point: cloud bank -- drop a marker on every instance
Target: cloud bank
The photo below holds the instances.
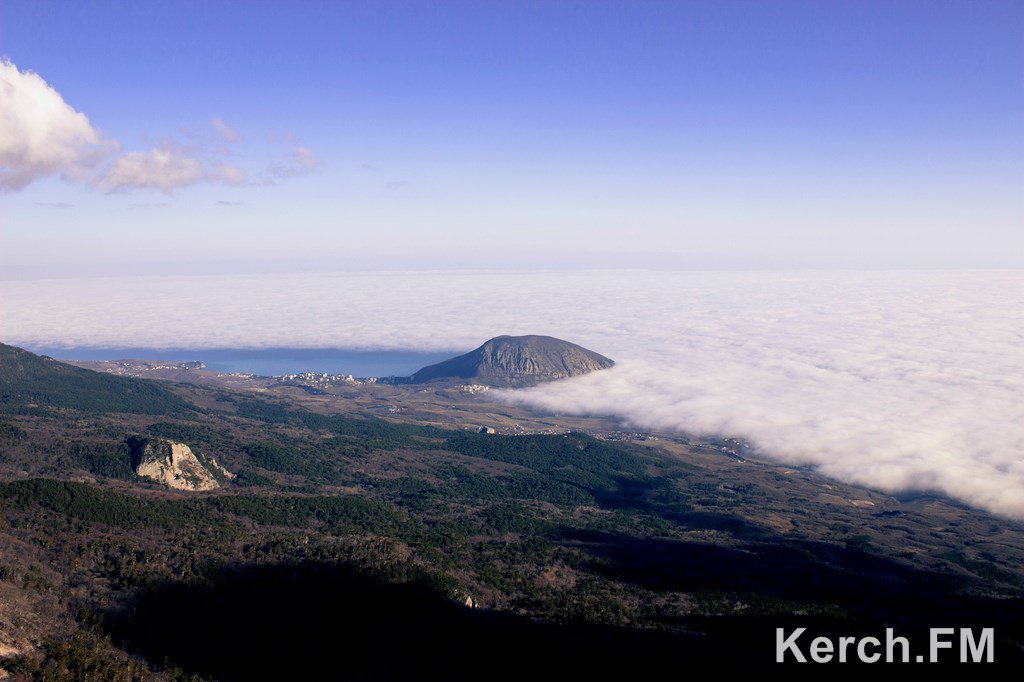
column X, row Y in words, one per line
column 900, row 381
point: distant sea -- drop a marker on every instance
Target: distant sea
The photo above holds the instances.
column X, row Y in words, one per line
column 268, row 361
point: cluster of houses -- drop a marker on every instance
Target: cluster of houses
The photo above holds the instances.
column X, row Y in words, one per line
column 322, row 380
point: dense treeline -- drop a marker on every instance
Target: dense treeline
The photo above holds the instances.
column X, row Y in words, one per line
column 85, row 503
column 458, row 483
column 331, row 514
column 92, row 505
column 11, row 433
column 111, row 460
column 27, row 379
column 571, row 457
column 197, row 436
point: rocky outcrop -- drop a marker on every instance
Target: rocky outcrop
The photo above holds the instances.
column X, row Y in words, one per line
column 513, row 361
column 221, row 470
column 175, row 465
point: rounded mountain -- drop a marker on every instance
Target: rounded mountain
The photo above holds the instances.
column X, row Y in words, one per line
column 514, row 361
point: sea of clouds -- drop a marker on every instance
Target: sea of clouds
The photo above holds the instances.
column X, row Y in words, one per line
column 897, row 380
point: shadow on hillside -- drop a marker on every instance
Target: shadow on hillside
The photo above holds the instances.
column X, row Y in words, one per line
column 309, row 620
column 317, row 620
column 865, row 587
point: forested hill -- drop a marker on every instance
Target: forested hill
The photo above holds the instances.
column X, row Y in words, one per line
column 27, row 379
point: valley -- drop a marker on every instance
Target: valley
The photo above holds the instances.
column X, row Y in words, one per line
column 623, row 549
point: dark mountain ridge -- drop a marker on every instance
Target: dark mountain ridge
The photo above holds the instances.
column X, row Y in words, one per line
column 513, row 361
column 30, row 379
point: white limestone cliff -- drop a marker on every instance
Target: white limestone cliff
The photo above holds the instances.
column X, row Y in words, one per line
column 175, row 465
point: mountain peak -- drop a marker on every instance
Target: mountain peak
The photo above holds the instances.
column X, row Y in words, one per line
column 516, row 361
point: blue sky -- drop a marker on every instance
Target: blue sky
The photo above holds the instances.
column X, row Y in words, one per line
column 556, row 134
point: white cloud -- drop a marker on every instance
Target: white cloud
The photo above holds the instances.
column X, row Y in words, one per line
column 40, row 134
column 224, row 131
column 301, row 161
column 171, row 166
column 165, row 168
column 901, row 381
column 228, row 174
